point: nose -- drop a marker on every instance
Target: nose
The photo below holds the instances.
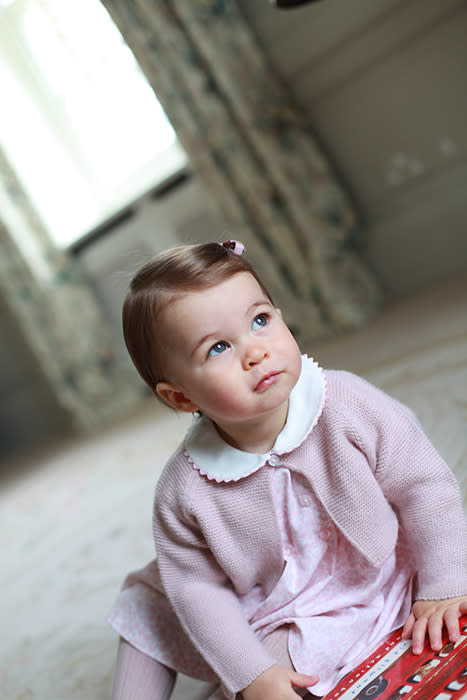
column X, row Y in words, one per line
column 254, row 353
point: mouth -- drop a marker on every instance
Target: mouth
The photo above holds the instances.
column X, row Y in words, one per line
column 267, row 380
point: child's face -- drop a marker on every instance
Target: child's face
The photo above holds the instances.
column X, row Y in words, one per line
column 229, row 353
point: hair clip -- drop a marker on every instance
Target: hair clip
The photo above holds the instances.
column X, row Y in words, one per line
column 235, row 246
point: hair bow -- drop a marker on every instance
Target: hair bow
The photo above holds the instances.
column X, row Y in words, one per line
column 235, row 246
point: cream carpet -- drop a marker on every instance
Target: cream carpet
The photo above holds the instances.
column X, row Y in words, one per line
column 76, row 517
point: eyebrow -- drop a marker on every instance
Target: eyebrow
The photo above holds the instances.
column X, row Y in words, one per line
column 215, row 333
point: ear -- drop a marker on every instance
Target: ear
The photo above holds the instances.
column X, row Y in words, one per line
column 172, row 395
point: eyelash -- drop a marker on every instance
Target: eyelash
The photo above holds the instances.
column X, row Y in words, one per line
column 212, row 352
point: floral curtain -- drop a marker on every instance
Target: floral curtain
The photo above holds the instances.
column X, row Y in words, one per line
column 253, row 148
column 58, row 314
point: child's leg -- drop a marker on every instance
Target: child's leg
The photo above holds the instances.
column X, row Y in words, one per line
column 277, row 644
column 139, row 677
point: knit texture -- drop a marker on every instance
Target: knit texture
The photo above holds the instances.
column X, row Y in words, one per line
column 373, row 469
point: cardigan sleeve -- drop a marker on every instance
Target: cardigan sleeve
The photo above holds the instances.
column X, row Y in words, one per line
column 200, row 592
column 419, row 485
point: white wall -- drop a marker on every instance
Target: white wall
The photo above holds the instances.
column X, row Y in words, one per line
column 383, row 83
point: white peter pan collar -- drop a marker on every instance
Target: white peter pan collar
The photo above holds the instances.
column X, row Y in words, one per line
column 217, row 460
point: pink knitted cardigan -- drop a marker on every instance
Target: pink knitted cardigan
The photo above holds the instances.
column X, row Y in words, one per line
column 374, row 470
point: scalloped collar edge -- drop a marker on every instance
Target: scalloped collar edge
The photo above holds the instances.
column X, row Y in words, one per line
column 215, row 459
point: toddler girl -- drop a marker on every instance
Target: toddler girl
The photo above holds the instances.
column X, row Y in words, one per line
column 303, row 518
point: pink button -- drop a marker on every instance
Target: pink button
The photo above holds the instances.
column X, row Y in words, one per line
column 305, row 501
column 325, row 533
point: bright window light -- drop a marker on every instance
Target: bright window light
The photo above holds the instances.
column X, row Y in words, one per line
column 79, row 122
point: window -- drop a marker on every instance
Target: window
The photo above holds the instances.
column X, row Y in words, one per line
column 79, row 122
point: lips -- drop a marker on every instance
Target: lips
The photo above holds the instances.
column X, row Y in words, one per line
column 266, row 380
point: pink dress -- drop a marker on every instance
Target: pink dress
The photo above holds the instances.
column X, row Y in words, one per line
column 337, row 606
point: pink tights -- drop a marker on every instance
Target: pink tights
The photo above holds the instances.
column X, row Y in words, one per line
column 139, row 677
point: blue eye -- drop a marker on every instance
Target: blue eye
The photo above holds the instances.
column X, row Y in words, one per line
column 259, row 322
column 217, row 348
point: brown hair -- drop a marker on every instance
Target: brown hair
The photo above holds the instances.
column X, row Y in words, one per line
column 163, row 279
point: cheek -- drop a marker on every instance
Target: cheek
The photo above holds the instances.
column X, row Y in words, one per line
column 224, row 397
column 225, row 394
